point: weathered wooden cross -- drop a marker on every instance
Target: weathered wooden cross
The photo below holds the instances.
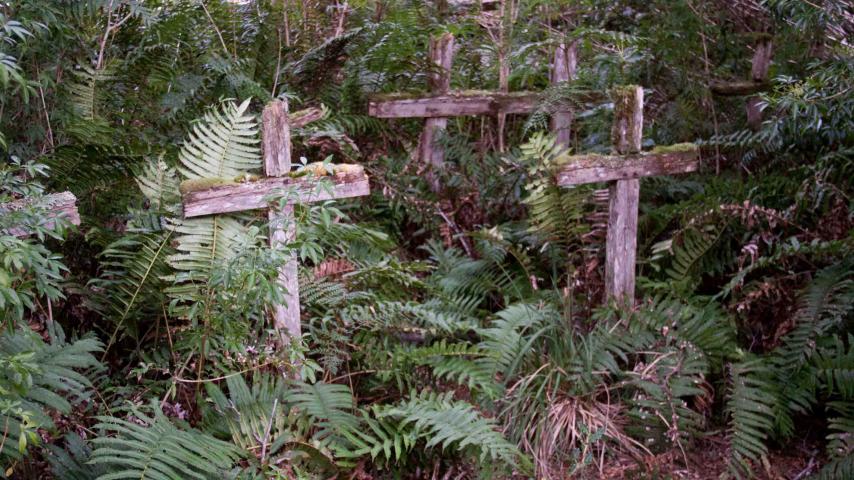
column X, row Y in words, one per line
column 56, row 205
column 276, row 140
column 623, row 171
column 443, row 103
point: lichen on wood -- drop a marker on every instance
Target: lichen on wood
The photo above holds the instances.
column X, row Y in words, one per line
column 675, row 148
column 197, row 184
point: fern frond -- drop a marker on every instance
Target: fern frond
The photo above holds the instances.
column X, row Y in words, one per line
column 153, row 447
column 71, row 462
column 442, row 421
column 159, row 183
column 328, row 405
column 84, row 90
column 750, row 406
column 222, row 145
column 39, row 377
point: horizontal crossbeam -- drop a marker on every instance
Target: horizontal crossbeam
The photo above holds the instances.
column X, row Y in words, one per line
column 57, row 205
column 738, row 88
column 591, row 168
column 453, row 104
column 236, row 197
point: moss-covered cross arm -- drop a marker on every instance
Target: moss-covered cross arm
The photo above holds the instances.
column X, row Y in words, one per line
column 215, row 195
column 441, row 103
column 451, row 104
column 56, row 205
column 591, row 168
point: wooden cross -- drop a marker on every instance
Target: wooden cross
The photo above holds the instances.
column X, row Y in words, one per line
column 623, row 171
column 57, row 205
column 443, row 103
column 276, row 140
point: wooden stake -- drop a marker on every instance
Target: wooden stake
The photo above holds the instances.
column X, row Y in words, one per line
column 758, row 74
column 442, row 56
column 621, row 244
column 276, row 138
column 564, row 66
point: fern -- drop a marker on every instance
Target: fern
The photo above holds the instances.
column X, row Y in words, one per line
column 442, row 421
column 667, row 381
column 159, row 183
column 84, row 90
column 821, row 306
column 750, row 406
column 250, row 414
column 71, row 462
column 329, row 406
column 134, row 266
column 38, row 378
column 153, row 447
column 222, row 144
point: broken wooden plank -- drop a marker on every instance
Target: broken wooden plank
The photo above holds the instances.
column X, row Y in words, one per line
column 304, row 117
column 590, row 168
column 234, row 197
column 56, row 205
column 452, row 104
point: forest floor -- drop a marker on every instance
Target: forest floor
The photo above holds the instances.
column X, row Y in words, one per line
column 708, row 461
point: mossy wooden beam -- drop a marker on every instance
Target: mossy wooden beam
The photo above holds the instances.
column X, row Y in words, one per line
column 591, row 168
column 738, row 88
column 236, row 197
column 452, row 104
column 57, row 205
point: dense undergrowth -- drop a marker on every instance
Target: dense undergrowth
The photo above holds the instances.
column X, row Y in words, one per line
column 457, row 334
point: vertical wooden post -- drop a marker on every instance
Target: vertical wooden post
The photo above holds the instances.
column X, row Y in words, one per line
column 621, row 244
column 564, row 66
column 439, row 81
column 758, row 73
column 276, row 138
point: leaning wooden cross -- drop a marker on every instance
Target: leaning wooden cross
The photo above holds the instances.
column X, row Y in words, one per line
column 623, row 171
column 56, row 205
column 443, row 103
column 276, row 137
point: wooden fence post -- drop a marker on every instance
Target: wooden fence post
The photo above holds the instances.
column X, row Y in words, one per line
column 276, row 138
column 429, row 153
column 762, row 54
column 621, row 244
column 564, row 66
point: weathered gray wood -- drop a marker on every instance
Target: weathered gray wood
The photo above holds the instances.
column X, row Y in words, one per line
column 627, row 129
column 759, row 73
column 238, row 197
column 286, row 317
column 57, row 205
column 276, row 141
column 304, row 117
column 621, row 242
column 735, row 89
column 564, row 66
column 581, row 169
column 452, row 104
column 439, row 81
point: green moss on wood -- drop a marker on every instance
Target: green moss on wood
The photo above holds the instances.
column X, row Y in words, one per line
column 197, row 184
column 675, row 148
column 388, row 97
